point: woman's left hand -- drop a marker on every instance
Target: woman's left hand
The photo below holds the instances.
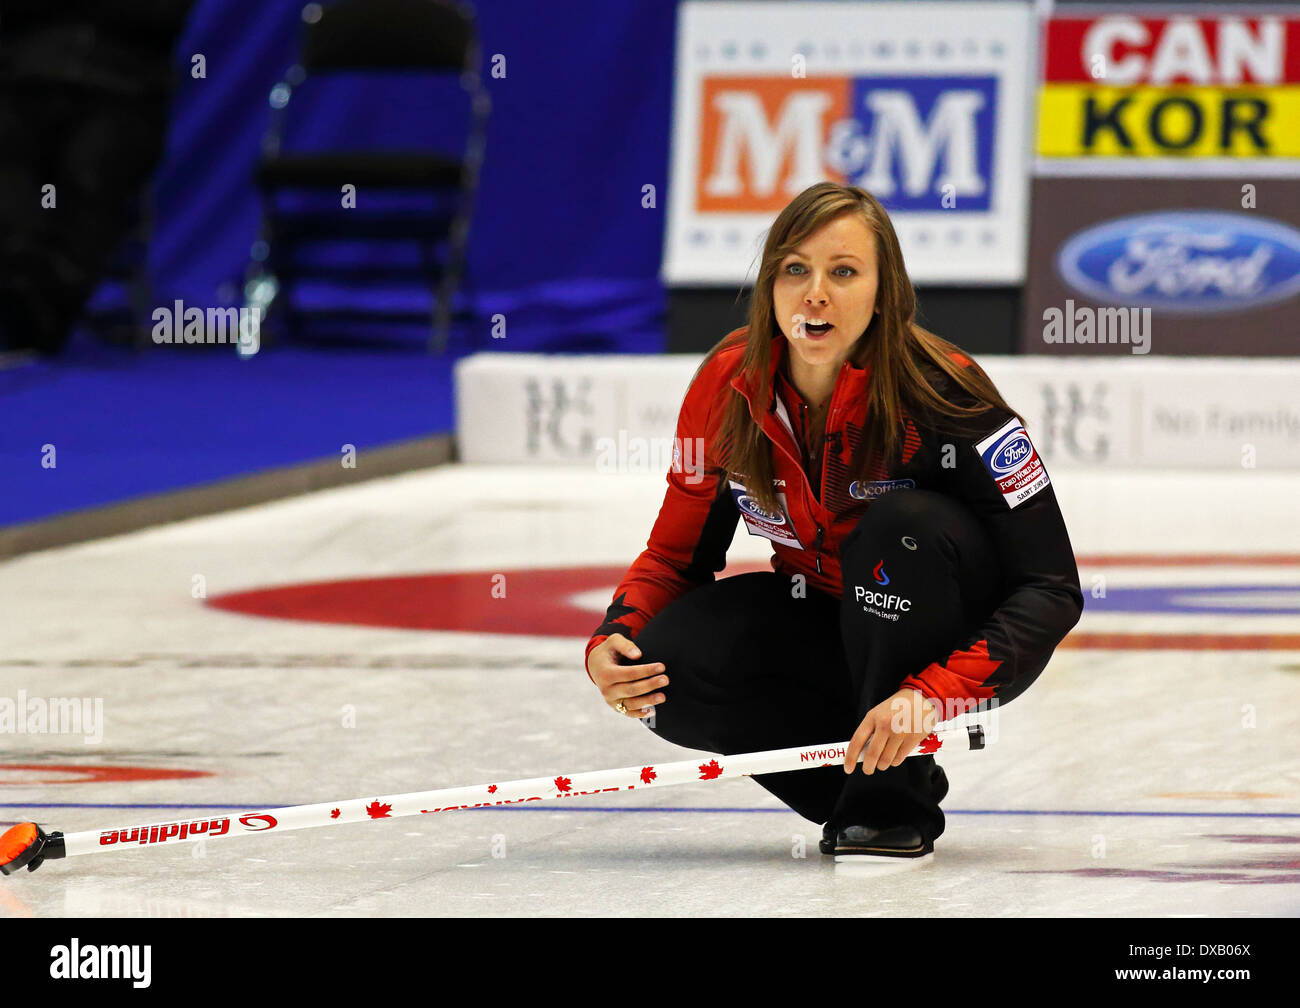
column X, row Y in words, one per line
column 890, row 731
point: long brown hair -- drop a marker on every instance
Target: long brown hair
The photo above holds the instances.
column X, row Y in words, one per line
column 895, row 348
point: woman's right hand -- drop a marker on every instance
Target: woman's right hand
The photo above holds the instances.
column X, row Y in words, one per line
column 632, row 685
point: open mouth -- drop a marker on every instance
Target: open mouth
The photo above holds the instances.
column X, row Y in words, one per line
column 817, row 330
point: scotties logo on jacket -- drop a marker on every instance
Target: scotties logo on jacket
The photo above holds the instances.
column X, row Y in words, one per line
column 871, row 489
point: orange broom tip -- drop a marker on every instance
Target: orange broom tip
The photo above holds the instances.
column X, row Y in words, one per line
column 28, row 844
column 16, row 840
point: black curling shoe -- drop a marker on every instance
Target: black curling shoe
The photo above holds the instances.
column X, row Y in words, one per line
column 893, row 841
column 896, row 841
column 908, row 840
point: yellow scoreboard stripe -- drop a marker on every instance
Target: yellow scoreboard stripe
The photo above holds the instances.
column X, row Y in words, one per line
column 1082, row 120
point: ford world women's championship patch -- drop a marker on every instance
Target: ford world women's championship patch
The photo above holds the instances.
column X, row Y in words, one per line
column 777, row 527
column 1013, row 462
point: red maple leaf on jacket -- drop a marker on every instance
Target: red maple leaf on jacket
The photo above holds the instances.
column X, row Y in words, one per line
column 334, row 814
column 377, row 811
column 710, row 770
column 492, row 789
column 563, row 783
column 929, row 744
column 648, row 774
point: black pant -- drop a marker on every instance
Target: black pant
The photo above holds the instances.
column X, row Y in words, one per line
column 756, row 663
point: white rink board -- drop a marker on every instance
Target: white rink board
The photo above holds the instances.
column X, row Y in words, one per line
column 1147, row 413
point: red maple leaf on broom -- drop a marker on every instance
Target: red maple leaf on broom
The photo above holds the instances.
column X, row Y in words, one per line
column 929, row 744
column 377, row 811
column 648, row 774
column 563, row 784
column 334, row 814
column 710, row 770
column 492, row 789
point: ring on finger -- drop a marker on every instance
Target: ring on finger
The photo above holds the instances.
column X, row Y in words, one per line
column 621, row 707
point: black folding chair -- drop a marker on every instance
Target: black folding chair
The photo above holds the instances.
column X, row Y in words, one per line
column 428, row 37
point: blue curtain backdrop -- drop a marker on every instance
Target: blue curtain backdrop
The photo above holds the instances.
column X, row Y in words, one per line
column 580, row 123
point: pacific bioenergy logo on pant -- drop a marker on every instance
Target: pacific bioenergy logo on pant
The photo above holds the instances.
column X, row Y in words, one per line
column 886, row 605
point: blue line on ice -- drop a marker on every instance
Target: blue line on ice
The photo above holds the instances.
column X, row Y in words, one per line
column 571, row 808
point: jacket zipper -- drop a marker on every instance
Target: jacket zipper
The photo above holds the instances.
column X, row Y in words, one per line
column 798, row 464
column 817, row 543
column 830, row 422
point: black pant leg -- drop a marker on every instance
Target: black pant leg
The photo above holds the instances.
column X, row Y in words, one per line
column 753, row 666
column 920, row 576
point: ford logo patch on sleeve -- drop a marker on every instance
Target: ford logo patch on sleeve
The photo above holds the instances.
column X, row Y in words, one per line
column 1013, row 462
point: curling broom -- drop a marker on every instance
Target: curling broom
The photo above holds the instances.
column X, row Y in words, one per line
column 27, row 844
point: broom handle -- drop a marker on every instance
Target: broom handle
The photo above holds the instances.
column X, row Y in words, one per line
column 559, row 787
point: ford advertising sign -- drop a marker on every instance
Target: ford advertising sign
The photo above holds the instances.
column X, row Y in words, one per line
column 1186, row 262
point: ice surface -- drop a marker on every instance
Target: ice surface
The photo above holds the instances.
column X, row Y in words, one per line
column 1138, row 782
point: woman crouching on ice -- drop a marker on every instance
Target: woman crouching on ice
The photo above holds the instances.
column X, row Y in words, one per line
column 921, row 566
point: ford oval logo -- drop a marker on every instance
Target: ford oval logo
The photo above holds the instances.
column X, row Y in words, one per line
column 1011, row 454
column 1183, row 262
column 751, row 507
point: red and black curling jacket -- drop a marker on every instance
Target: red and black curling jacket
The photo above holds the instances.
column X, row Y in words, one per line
column 996, row 474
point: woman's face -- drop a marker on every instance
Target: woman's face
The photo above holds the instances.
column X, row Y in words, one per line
column 830, row 278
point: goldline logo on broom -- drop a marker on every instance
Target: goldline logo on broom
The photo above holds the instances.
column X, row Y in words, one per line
column 24, row 715
column 102, row 962
column 253, row 822
column 163, row 832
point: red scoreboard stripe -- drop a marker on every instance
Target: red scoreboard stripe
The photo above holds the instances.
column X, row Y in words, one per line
column 1066, row 62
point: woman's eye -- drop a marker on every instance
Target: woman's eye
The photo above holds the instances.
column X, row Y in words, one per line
column 794, row 266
